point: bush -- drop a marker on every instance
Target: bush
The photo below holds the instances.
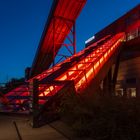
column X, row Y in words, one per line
column 101, row 117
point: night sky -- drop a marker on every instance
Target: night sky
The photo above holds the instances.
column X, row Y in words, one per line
column 22, row 23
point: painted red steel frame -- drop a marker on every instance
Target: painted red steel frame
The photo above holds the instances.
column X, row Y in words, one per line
column 87, row 63
column 85, row 70
column 81, row 72
column 61, row 19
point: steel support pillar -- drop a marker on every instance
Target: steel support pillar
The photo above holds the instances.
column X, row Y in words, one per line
column 110, row 80
column 54, row 47
column 107, row 84
column 35, row 104
column 115, row 75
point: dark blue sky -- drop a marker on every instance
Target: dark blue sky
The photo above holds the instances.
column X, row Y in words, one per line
column 22, row 23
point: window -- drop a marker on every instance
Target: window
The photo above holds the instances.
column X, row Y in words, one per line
column 119, row 92
column 131, row 92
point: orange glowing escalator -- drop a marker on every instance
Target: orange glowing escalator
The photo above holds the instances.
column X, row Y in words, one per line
column 83, row 68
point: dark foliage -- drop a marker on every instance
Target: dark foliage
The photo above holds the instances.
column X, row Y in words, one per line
column 102, row 118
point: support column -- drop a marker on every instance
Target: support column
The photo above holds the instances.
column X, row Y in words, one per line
column 107, row 84
column 35, row 105
column 54, row 41
column 110, row 82
column 115, row 75
column 74, row 37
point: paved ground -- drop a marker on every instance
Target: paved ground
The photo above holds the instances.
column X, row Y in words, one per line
column 8, row 130
column 54, row 131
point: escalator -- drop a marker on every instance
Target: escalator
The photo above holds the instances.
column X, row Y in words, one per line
column 82, row 71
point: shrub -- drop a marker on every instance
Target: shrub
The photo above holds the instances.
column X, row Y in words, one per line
column 101, row 117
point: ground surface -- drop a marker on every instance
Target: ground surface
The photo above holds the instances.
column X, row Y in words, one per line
column 8, row 130
column 53, row 131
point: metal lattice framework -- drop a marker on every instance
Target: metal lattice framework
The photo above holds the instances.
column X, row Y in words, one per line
column 76, row 73
column 81, row 68
column 69, row 44
column 60, row 23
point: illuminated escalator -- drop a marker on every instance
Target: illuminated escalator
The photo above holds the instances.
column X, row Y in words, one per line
column 82, row 69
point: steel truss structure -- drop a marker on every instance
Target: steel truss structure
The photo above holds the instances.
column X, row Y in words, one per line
column 73, row 75
column 60, row 23
column 41, row 94
column 69, row 44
